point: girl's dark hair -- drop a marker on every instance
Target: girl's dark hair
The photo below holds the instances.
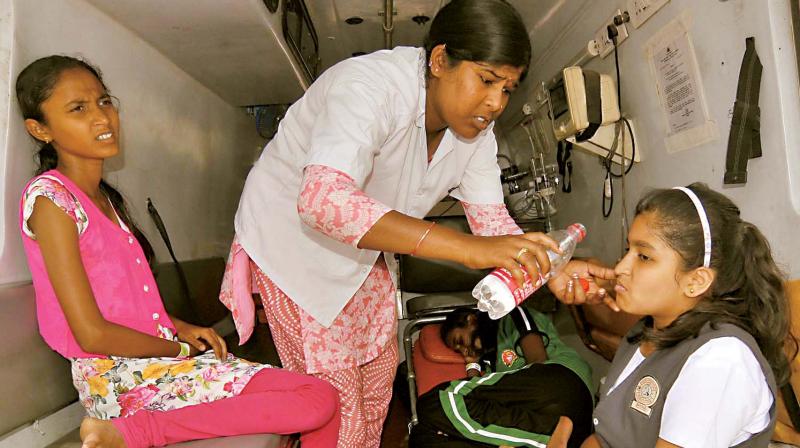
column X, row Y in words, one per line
column 481, row 31
column 486, row 330
column 34, row 86
column 748, row 290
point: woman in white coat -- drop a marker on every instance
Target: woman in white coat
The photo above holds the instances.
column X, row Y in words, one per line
column 356, row 164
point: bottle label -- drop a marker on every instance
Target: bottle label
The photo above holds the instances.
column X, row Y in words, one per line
column 519, row 293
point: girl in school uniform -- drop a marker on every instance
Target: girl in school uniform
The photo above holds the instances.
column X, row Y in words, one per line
column 98, row 304
column 702, row 368
column 366, row 153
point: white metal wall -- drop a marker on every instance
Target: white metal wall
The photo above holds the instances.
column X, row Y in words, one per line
column 181, row 144
column 771, row 197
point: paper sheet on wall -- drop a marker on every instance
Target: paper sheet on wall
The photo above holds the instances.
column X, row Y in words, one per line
column 672, row 59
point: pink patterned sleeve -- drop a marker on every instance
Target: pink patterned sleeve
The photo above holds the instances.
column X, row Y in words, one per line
column 52, row 188
column 236, row 291
column 331, row 202
column 490, row 219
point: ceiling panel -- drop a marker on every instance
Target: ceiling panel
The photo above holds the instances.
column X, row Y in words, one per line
column 235, row 47
column 338, row 40
column 229, row 46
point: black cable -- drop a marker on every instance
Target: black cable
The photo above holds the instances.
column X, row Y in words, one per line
column 610, row 201
column 612, row 31
column 616, row 64
column 608, row 159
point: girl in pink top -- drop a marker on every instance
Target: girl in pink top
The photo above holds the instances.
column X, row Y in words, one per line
column 142, row 375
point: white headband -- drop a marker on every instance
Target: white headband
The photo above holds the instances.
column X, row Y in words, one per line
column 703, row 221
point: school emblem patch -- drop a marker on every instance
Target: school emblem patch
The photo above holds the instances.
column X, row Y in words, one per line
column 508, row 356
column 645, row 395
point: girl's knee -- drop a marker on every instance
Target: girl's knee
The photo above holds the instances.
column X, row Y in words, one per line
column 327, row 398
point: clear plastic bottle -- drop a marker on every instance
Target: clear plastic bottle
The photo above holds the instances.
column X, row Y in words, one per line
column 498, row 293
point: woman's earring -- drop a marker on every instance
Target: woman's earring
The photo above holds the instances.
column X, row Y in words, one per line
column 691, row 290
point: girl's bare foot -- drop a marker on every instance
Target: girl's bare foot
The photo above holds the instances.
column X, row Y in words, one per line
column 96, row 433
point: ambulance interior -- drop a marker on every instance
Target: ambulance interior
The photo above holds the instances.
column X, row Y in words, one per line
column 203, row 85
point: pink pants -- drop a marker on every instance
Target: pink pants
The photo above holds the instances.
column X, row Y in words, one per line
column 364, row 390
column 275, row 401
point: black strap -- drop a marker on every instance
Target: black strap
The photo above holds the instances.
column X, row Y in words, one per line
column 151, row 209
column 744, row 140
column 563, row 155
column 792, row 407
column 594, row 106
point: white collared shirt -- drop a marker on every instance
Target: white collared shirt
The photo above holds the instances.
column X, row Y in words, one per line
column 365, row 117
column 720, row 398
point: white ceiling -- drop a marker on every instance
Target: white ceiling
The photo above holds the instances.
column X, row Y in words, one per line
column 235, row 47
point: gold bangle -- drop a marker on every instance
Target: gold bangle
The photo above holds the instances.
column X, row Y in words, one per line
column 422, row 238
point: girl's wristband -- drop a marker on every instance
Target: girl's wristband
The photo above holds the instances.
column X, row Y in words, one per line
column 473, row 366
column 185, row 350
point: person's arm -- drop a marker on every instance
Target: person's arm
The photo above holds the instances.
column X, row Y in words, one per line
column 532, row 346
column 198, row 337
column 490, row 219
column 567, row 286
column 530, row 341
column 591, row 442
column 399, row 233
column 331, row 202
column 58, row 241
column 494, row 219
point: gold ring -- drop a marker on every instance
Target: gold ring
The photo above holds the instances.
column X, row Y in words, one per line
column 521, row 252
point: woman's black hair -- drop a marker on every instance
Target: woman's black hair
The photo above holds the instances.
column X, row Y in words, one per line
column 34, row 86
column 489, row 31
column 748, row 289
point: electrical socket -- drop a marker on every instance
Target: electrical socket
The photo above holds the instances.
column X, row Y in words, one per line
column 641, row 10
column 602, row 43
column 527, row 109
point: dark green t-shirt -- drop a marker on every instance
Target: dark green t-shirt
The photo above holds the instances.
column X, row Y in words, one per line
column 517, row 323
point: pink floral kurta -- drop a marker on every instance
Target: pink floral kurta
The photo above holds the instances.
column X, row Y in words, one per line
column 331, row 203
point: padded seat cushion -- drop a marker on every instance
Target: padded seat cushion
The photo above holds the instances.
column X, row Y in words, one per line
column 434, row 362
column 433, row 347
column 73, row 440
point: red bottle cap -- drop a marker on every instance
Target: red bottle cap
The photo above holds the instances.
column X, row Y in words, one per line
column 579, row 229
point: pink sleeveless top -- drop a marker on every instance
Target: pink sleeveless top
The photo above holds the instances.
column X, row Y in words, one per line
column 120, row 278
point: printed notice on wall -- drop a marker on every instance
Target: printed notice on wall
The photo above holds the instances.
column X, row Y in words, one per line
column 672, row 59
column 677, row 84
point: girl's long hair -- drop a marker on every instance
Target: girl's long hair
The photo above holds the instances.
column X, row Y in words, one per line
column 748, row 290
column 34, row 86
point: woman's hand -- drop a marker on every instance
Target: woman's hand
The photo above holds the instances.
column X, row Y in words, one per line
column 584, row 281
column 516, row 253
column 195, row 337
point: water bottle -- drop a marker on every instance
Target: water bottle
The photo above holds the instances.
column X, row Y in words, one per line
column 498, row 293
